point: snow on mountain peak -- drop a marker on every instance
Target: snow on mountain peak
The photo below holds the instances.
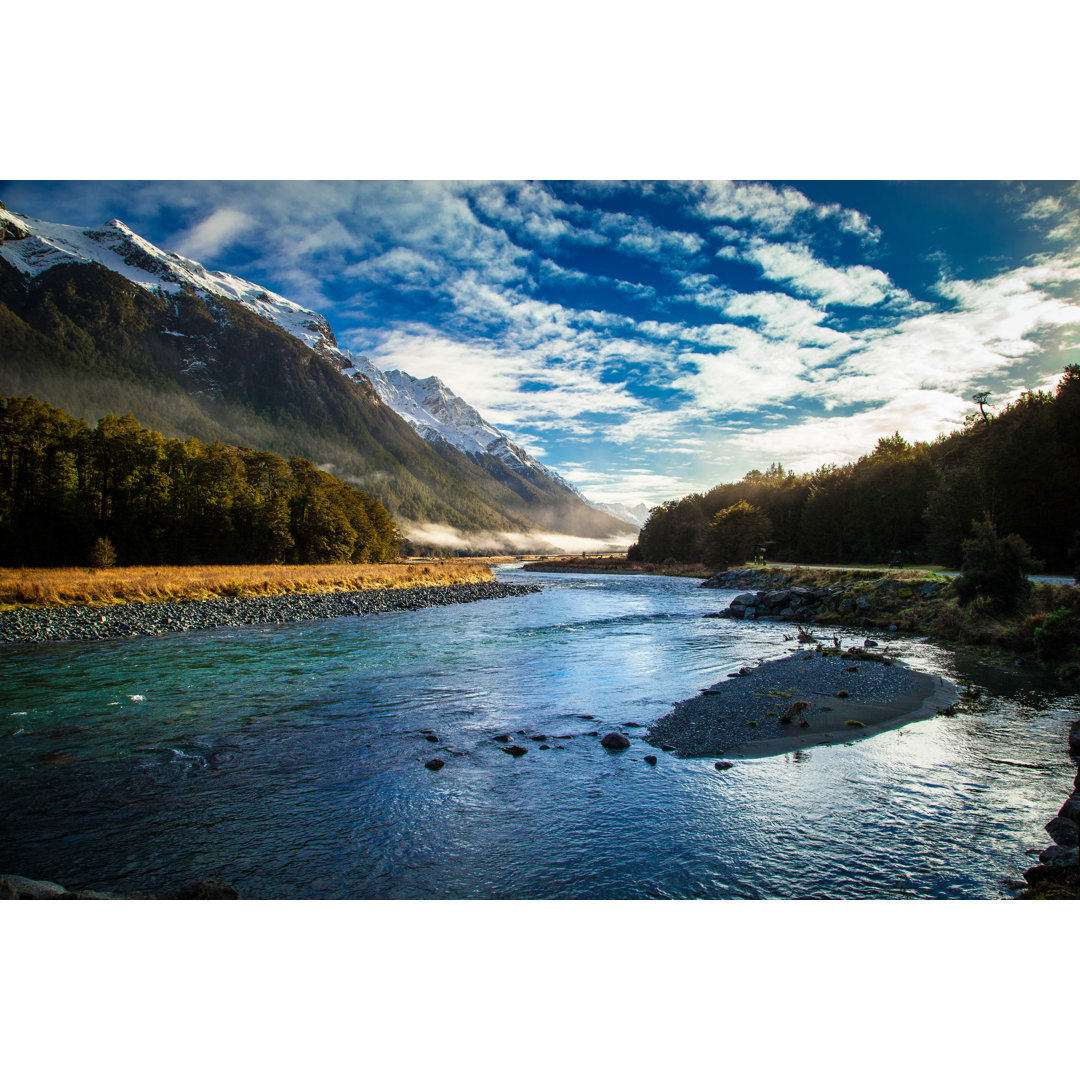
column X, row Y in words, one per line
column 113, row 245
column 428, row 405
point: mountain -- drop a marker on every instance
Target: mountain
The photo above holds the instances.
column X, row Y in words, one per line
column 632, row 515
column 100, row 320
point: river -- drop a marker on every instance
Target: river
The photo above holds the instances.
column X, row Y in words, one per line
column 289, row 761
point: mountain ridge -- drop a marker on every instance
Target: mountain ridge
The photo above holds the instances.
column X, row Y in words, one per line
column 203, row 320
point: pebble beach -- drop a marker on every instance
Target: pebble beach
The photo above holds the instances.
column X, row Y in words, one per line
column 96, row 623
column 807, row 699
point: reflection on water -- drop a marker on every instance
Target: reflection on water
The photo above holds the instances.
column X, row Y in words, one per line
column 289, row 761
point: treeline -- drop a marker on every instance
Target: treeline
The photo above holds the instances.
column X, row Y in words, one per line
column 65, row 486
column 909, row 503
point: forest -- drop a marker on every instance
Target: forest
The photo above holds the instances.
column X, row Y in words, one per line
column 72, row 495
column 902, row 503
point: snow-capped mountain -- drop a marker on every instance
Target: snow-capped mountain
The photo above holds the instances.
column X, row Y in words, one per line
column 43, row 245
column 437, row 413
column 430, row 407
column 632, row 515
column 205, row 360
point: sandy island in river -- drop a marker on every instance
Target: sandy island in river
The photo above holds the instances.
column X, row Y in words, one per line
column 807, row 699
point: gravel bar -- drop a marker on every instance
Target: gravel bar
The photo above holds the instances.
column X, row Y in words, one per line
column 826, row 699
column 141, row 620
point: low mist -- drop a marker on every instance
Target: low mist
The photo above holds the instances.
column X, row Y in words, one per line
column 534, row 543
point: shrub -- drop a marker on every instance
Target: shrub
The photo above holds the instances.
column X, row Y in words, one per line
column 1056, row 636
column 102, row 554
column 995, row 568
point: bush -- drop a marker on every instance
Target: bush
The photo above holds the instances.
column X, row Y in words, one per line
column 102, row 554
column 995, row 568
column 1057, row 634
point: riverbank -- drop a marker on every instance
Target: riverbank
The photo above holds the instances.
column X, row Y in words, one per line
column 1057, row 877
column 1045, row 630
column 89, row 623
column 811, row 698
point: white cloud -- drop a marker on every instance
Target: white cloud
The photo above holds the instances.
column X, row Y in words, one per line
column 213, row 234
column 855, row 286
column 624, row 485
column 781, row 316
column 775, row 210
column 836, row 440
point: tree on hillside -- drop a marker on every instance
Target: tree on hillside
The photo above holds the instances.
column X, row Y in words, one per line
column 735, row 534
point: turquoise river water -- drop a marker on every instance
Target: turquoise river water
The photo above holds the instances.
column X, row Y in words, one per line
column 289, row 762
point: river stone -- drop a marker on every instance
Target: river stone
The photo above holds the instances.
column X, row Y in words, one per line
column 502, row 738
column 1062, row 831
column 614, row 741
column 722, row 765
column 514, row 751
column 29, row 889
column 1056, row 855
column 1071, row 809
column 650, row 759
column 435, row 764
column 1034, row 874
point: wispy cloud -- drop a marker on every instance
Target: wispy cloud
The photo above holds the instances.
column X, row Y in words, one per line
column 213, row 234
column 796, row 265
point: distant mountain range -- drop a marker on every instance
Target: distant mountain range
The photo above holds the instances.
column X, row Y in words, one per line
column 99, row 320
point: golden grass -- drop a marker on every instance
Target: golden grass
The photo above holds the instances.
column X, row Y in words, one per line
column 77, row 585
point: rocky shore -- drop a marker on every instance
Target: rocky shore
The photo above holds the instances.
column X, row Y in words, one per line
column 810, row 698
column 872, row 600
column 16, row 887
column 1057, row 877
column 141, row 620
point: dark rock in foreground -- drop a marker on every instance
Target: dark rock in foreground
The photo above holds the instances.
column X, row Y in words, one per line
column 16, row 887
column 614, row 741
column 140, row 620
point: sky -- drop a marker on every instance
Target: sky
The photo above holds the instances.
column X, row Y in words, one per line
column 649, row 339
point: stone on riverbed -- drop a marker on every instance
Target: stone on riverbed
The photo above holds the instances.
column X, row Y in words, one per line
column 1056, row 855
column 614, row 741
column 1062, row 831
column 435, row 764
column 29, row 889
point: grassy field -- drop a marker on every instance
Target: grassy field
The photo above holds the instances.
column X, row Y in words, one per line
column 79, row 585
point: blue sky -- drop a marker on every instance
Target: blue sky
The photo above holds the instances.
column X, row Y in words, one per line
column 651, row 339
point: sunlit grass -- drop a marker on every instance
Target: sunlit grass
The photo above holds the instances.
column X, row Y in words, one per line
column 78, row 585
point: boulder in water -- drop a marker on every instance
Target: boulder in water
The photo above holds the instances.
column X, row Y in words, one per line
column 614, row 741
